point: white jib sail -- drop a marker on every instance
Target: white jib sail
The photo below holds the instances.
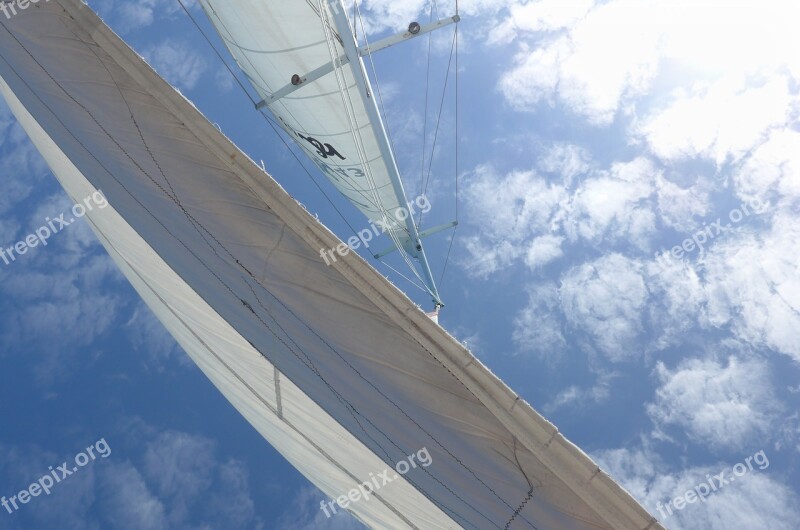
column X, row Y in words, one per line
column 274, row 41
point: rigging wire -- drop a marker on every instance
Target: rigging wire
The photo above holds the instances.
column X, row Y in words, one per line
column 395, row 239
column 425, row 115
column 347, row 100
column 434, row 12
column 439, row 118
column 453, row 50
column 455, row 229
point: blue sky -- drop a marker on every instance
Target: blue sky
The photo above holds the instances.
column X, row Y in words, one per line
column 592, row 135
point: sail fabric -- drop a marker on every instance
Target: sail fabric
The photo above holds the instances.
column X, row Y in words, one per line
column 327, row 117
column 335, row 367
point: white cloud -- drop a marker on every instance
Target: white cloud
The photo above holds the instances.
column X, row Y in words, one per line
column 680, row 206
column 677, row 303
column 130, row 500
column 132, row 15
column 181, row 64
column 538, row 327
column 510, row 210
column 67, row 507
column 304, row 514
column 616, row 52
column 720, row 121
column 522, row 215
column 606, row 299
column 615, row 206
column 20, row 164
column 149, row 337
column 533, row 16
column 592, row 67
column 178, row 466
column 543, row 250
column 512, row 206
column 178, row 482
column 753, row 286
column 58, row 314
column 9, row 230
column 576, row 396
column 772, row 171
column 486, row 257
column 566, row 161
column 755, row 500
column 722, row 405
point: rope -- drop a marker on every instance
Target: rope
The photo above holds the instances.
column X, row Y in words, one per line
column 425, row 115
column 453, row 237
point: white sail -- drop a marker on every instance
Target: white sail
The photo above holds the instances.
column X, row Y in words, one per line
column 328, row 117
column 332, row 364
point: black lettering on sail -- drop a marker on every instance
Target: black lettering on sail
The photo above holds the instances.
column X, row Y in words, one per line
column 324, row 150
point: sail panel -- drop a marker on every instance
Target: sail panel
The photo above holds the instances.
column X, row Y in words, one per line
column 342, row 336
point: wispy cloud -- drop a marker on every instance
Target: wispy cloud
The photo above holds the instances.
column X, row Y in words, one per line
column 724, row 404
column 606, row 300
column 759, row 500
column 178, row 62
column 304, row 514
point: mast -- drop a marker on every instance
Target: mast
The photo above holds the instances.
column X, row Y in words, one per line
column 345, row 31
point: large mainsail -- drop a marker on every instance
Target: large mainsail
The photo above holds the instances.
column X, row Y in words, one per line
column 335, row 367
column 296, row 57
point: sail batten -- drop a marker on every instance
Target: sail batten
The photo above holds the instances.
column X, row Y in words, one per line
column 230, row 264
